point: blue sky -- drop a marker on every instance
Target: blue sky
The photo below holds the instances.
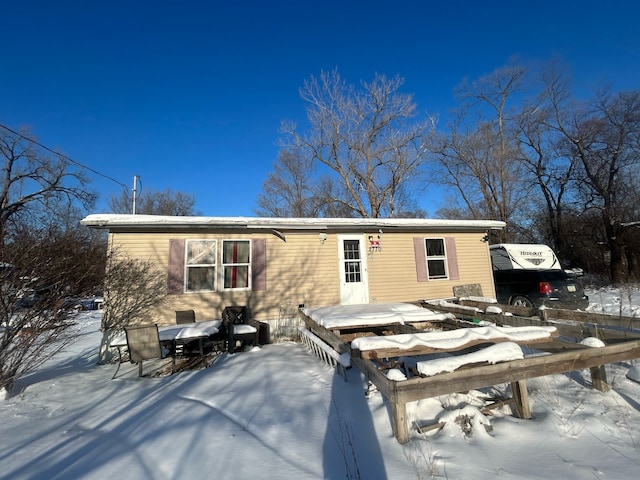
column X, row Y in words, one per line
column 189, row 95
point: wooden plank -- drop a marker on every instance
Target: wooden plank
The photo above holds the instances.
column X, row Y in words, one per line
column 571, row 357
column 329, row 337
column 430, row 426
column 425, row 349
column 486, row 375
column 557, row 346
column 605, row 331
column 615, row 321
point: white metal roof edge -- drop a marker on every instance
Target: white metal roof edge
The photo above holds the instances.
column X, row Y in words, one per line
column 109, row 221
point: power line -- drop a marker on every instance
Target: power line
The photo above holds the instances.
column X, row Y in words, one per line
column 24, row 137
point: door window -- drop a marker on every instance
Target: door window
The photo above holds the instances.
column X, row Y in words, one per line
column 352, row 261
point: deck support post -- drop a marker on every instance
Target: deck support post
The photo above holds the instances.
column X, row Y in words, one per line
column 521, row 399
column 599, row 378
column 399, row 416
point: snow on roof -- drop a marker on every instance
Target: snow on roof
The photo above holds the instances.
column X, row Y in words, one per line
column 452, row 339
column 340, row 316
column 145, row 221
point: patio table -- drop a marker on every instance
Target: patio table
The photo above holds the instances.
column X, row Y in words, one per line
column 188, row 332
column 174, row 334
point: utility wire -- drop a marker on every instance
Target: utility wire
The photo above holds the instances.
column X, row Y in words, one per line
column 24, row 137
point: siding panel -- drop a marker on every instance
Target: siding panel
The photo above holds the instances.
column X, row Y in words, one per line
column 304, row 270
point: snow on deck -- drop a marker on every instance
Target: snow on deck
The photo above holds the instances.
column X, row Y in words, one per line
column 500, row 352
column 452, row 339
column 341, row 316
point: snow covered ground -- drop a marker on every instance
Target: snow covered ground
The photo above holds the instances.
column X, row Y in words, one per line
column 278, row 412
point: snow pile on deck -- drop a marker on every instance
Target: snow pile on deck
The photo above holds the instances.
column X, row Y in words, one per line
column 453, row 339
column 500, row 352
column 337, row 316
column 450, row 304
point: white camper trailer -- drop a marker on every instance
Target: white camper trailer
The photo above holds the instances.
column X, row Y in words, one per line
column 508, row 256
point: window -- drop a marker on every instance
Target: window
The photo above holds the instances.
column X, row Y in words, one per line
column 352, row 261
column 201, row 265
column 236, row 263
column 436, row 258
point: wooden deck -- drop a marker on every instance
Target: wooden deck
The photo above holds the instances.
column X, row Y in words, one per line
column 559, row 354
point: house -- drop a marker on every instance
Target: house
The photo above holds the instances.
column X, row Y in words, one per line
column 274, row 265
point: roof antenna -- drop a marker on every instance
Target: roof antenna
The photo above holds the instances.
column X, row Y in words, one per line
column 135, row 184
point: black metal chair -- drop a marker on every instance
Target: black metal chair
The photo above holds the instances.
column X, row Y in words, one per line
column 240, row 327
column 143, row 343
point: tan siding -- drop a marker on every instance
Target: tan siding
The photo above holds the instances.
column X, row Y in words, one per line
column 301, row 270
column 392, row 272
column 304, row 270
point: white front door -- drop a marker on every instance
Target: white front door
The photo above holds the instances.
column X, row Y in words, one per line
column 353, row 270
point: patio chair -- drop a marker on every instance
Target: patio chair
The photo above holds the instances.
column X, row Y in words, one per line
column 185, row 316
column 240, row 327
column 143, row 343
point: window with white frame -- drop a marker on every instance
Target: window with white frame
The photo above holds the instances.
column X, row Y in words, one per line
column 236, row 264
column 200, row 264
column 436, row 258
column 352, row 261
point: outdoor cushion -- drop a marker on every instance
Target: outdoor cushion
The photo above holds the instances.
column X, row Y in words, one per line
column 241, row 329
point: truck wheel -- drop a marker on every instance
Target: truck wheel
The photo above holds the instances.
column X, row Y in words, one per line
column 521, row 302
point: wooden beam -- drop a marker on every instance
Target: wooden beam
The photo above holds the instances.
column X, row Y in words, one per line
column 570, row 357
column 329, row 337
column 606, row 327
column 425, row 349
column 374, row 375
column 557, row 346
column 602, row 319
column 418, row 388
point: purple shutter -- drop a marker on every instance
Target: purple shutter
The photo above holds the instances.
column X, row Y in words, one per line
column 175, row 280
column 421, row 259
column 259, row 264
column 452, row 258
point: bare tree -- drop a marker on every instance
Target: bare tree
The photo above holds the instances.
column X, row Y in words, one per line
column 132, row 289
column 480, row 160
column 33, row 182
column 367, row 141
column 166, row 202
column 288, row 190
column 34, row 325
column 35, row 273
column 585, row 159
column 543, row 154
column 605, row 139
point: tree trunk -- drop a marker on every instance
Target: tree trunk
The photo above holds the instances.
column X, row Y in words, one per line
column 618, row 266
